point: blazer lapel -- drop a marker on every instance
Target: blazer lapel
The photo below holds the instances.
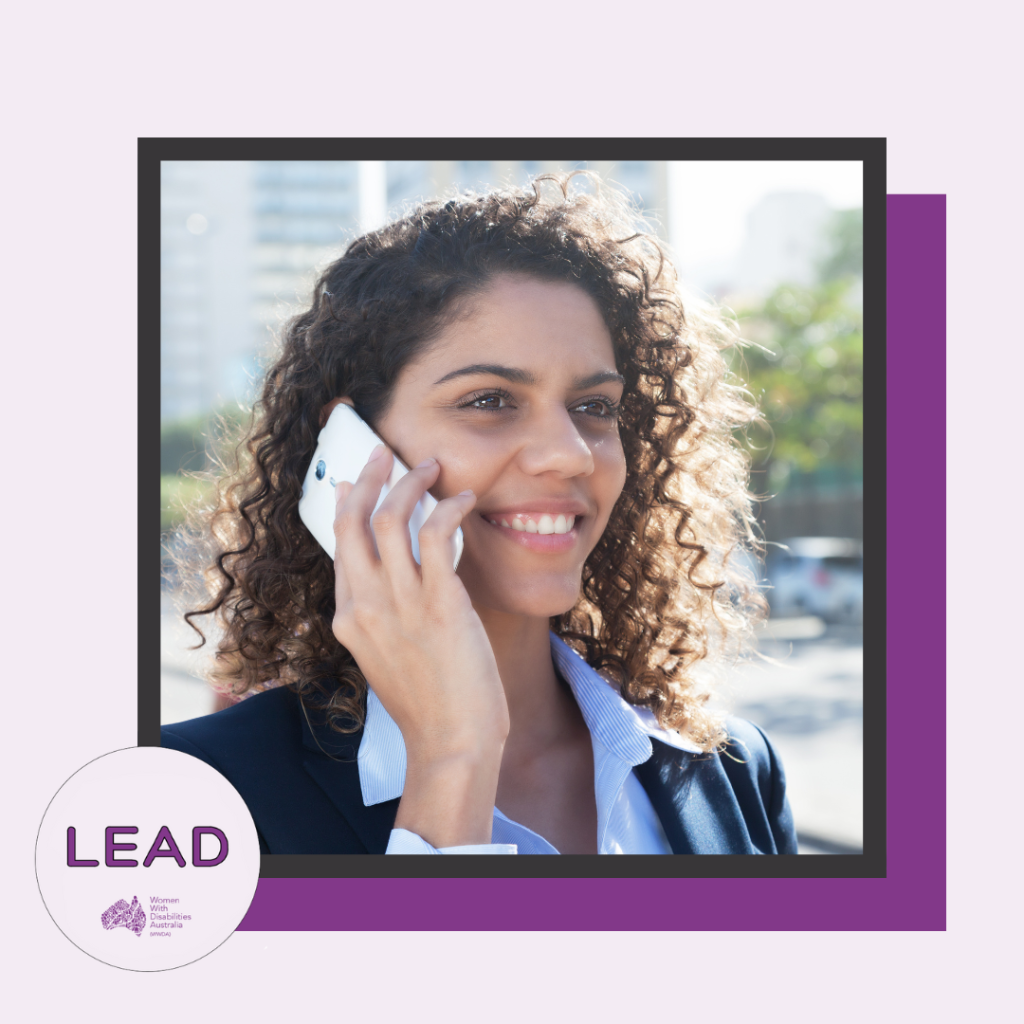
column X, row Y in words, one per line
column 666, row 779
column 331, row 762
column 693, row 798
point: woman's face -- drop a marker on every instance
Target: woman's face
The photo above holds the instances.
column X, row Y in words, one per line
column 518, row 401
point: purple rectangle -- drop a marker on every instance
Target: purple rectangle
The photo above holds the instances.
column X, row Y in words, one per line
column 912, row 896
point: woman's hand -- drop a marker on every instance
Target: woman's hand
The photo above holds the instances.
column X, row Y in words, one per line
column 416, row 637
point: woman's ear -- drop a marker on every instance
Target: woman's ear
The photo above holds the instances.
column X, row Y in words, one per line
column 330, row 407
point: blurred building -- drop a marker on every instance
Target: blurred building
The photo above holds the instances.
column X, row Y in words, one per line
column 238, row 242
column 782, row 244
column 241, row 243
column 206, row 265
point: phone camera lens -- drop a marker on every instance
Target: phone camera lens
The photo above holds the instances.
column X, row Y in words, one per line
column 321, row 468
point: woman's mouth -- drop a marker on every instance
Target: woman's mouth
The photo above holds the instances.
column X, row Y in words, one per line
column 538, row 531
column 533, row 522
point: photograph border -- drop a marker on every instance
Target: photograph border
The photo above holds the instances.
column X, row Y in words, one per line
column 566, row 872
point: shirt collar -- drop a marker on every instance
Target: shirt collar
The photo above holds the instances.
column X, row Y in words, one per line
column 623, row 729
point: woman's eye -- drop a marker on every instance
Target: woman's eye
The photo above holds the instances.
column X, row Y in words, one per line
column 497, row 401
column 489, row 402
column 597, row 407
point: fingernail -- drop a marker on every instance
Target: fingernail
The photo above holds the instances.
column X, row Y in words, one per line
column 376, row 453
column 425, row 463
column 465, row 492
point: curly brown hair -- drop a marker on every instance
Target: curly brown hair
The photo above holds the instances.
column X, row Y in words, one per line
column 658, row 591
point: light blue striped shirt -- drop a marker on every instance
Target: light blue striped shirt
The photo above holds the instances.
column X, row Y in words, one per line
column 621, row 736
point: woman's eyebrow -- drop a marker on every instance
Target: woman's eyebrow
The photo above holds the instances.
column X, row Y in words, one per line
column 524, row 377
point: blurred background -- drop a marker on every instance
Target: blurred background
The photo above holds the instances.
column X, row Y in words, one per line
column 779, row 243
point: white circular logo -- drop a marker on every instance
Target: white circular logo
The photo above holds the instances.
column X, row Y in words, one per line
column 147, row 858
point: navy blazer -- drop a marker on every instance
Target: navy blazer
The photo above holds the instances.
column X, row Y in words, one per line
column 304, row 801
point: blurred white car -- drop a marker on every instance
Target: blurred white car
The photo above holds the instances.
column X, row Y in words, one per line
column 821, row 576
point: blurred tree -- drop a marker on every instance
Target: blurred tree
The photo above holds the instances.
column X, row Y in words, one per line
column 184, row 453
column 806, row 370
column 183, row 446
column 176, row 494
column 844, row 253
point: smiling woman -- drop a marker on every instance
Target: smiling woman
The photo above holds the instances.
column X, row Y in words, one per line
column 528, row 352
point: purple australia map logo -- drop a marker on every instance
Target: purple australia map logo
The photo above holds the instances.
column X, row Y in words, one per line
column 121, row 915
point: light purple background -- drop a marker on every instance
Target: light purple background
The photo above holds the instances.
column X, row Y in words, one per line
column 87, row 89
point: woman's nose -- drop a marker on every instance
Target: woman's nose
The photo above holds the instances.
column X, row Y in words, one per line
column 553, row 444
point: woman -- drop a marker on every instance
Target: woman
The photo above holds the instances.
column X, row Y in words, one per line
column 527, row 351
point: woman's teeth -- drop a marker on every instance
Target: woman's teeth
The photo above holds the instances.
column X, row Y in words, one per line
column 546, row 524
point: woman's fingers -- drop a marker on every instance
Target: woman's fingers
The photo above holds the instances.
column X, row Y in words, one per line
column 391, row 524
column 365, row 596
column 437, row 544
column 354, row 546
column 342, row 590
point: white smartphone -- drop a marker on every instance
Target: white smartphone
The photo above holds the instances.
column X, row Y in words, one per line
column 342, row 449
